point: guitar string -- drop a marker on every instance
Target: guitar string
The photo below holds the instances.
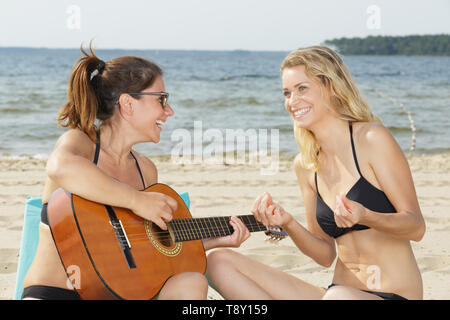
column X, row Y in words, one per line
column 183, row 234
column 176, row 228
column 196, row 220
column 189, row 233
column 190, row 225
column 199, row 224
column 184, row 238
column 255, row 227
column 194, row 228
column 180, row 236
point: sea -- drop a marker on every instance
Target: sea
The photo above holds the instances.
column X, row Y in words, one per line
column 221, row 92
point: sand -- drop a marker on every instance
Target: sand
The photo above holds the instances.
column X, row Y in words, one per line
column 231, row 190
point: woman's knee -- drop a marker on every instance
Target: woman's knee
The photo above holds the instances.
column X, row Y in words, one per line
column 219, row 256
column 186, row 285
column 194, row 279
column 219, row 259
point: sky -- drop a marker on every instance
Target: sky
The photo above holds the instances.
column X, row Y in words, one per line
column 272, row 25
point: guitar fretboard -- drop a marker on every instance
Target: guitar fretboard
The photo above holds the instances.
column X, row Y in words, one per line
column 211, row 227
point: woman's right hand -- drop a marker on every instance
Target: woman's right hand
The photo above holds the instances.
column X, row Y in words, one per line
column 154, row 206
column 268, row 212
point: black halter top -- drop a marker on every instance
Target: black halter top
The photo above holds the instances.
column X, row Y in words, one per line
column 362, row 191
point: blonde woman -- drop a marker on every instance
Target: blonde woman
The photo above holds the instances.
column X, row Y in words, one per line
column 359, row 196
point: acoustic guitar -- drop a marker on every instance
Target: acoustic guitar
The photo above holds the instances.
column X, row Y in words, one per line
column 116, row 254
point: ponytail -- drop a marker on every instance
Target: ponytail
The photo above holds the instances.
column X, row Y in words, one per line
column 82, row 105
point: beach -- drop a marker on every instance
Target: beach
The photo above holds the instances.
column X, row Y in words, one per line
column 223, row 190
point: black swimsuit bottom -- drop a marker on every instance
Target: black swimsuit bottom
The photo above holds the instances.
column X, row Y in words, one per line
column 55, row 293
column 49, row 293
column 383, row 295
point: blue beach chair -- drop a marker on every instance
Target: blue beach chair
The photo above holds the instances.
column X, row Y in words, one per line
column 30, row 238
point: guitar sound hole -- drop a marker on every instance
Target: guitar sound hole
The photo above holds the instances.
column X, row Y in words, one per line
column 162, row 236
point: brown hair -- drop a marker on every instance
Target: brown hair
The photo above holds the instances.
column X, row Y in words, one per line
column 94, row 96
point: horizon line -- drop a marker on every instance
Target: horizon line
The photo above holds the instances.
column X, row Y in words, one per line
column 322, row 43
column 137, row 49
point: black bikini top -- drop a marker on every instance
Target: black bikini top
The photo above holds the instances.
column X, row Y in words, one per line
column 362, row 191
column 44, row 216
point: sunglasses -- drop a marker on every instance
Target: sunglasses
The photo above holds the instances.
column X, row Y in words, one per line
column 163, row 96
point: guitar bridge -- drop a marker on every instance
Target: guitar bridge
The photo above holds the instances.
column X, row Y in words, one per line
column 121, row 231
column 121, row 236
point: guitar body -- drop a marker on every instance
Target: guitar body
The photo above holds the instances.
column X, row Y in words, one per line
column 93, row 253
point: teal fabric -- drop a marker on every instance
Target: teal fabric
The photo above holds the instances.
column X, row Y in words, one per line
column 29, row 241
column 30, row 238
column 185, row 197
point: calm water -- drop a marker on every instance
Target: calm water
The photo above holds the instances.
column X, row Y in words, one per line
column 223, row 90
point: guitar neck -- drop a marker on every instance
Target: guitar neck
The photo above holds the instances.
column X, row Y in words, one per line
column 211, row 227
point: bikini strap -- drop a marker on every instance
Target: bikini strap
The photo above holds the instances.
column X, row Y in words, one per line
column 139, row 169
column 315, row 180
column 97, row 148
column 353, row 148
column 97, row 152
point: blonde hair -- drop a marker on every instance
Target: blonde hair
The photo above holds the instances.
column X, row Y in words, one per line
column 327, row 68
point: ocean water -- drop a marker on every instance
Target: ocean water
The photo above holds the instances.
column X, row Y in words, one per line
column 224, row 91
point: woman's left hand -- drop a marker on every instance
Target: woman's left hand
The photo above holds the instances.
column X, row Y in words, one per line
column 348, row 212
column 234, row 240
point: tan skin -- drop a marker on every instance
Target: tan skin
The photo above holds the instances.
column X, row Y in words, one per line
column 380, row 257
column 115, row 181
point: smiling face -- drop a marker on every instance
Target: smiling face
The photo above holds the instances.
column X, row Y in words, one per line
column 149, row 115
column 303, row 97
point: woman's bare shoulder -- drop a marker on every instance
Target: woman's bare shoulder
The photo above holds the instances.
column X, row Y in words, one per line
column 368, row 133
column 374, row 139
column 75, row 141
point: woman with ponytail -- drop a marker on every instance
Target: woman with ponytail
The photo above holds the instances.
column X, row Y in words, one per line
column 111, row 106
column 357, row 190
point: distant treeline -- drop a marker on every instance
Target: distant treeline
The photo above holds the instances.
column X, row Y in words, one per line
column 417, row 45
